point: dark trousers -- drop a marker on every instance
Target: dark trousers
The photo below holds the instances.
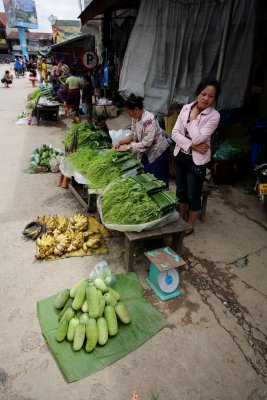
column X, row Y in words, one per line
column 189, row 181
column 159, row 168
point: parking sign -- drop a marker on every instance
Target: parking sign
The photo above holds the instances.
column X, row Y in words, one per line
column 90, row 59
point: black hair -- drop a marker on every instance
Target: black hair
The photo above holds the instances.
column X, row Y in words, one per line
column 133, row 102
column 87, row 77
column 101, row 118
column 73, row 71
column 208, row 82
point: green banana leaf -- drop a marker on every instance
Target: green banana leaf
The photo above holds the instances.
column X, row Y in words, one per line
column 146, row 322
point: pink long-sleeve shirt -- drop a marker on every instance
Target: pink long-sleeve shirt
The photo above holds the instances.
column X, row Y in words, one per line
column 200, row 130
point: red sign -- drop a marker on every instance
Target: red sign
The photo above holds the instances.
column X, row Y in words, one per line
column 90, row 59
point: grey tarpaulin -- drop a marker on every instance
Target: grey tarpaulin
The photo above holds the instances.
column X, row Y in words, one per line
column 175, row 43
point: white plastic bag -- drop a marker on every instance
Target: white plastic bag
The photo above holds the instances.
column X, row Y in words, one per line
column 102, row 270
column 54, row 164
column 118, row 135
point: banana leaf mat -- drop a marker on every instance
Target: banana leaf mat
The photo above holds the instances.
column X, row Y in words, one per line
column 146, row 322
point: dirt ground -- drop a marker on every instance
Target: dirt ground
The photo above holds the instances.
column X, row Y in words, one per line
column 214, row 346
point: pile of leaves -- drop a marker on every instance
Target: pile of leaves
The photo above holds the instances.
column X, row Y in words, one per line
column 88, row 135
column 130, row 201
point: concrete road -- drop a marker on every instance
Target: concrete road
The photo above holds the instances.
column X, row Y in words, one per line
column 214, row 347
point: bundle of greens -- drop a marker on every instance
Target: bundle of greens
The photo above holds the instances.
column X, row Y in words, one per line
column 103, row 170
column 165, row 200
column 127, row 203
column 88, row 136
column 81, row 158
column 150, row 183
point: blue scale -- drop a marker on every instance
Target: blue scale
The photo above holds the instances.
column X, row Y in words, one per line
column 163, row 276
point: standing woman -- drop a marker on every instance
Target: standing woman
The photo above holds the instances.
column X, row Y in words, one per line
column 192, row 133
column 147, row 139
column 73, row 83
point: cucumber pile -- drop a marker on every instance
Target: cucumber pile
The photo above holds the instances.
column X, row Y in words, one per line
column 89, row 314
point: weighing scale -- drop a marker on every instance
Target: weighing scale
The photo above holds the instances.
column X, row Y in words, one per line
column 163, row 277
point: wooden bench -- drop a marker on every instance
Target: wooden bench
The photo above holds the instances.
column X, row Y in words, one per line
column 175, row 230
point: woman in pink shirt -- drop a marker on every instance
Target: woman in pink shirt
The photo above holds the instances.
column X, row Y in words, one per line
column 192, row 133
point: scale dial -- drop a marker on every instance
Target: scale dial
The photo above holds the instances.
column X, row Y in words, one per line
column 168, row 281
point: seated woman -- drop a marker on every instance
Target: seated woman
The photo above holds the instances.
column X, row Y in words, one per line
column 147, row 139
column 7, row 79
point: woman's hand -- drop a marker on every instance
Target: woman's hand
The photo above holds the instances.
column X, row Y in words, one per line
column 117, row 145
column 201, row 148
column 124, row 147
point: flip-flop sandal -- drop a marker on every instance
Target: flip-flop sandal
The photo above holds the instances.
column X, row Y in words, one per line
column 189, row 232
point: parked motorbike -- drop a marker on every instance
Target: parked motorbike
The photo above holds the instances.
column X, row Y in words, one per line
column 258, row 155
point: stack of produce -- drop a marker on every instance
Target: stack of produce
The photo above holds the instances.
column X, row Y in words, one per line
column 67, row 235
column 89, row 314
column 40, row 158
column 33, row 98
column 104, row 167
column 127, row 202
column 88, row 136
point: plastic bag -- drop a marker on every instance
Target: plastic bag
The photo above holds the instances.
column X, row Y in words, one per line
column 226, row 151
column 54, row 164
column 118, row 135
column 102, row 270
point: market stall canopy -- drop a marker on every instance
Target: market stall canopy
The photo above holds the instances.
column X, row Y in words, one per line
column 181, row 43
column 97, row 7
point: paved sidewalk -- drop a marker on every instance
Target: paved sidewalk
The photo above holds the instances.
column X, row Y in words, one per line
column 214, row 347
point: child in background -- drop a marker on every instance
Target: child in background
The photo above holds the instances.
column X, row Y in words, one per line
column 33, row 76
column 87, row 93
column 7, row 79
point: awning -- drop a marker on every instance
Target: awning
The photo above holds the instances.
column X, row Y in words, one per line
column 66, row 42
column 97, row 7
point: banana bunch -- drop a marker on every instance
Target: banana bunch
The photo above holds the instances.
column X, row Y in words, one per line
column 33, row 230
column 62, row 223
column 93, row 242
column 50, row 222
column 62, row 243
column 45, row 246
column 79, row 222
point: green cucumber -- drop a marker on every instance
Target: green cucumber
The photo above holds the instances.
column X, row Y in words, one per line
column 74, row 322
column 79, row 336
column 123, row 313
column 91, row 332
column 111, row 319
column 62, row 298
column 102, row 328
column 62, row 330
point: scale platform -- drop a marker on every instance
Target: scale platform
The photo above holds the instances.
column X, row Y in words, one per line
column 163, row 277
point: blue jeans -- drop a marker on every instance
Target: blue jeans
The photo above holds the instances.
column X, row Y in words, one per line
column 160, row 167
column 189, row 181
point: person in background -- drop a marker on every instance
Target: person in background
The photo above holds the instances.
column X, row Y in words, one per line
column 33, row 75
column 87, row 93
column 63, row 69
column 147, row 139
column 44, row 70
column 73, row 83
column 7, row 79
column 39, row 68
column 18, row 66
column 192, row 134
column 54, row 71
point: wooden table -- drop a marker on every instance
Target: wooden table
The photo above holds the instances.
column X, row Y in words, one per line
column 175, row 230
column 51, row 111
